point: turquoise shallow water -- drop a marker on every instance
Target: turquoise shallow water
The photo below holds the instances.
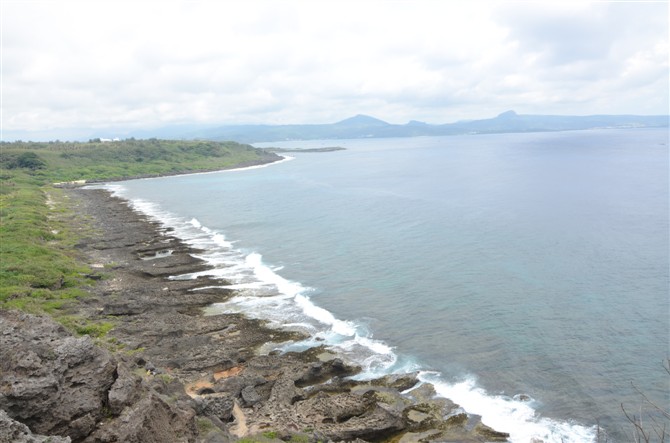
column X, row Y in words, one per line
column 507, row 264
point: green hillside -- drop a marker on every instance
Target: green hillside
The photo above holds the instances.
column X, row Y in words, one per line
column 66, row 161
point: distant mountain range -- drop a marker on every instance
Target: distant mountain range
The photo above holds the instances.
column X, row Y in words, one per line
column 363, row 126
column 360, row 126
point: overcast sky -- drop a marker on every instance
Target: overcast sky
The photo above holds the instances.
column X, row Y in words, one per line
column 68, row 64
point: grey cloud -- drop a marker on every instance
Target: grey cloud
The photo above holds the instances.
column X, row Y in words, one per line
column 235, row 62
column 568, row 35
column 562, row 39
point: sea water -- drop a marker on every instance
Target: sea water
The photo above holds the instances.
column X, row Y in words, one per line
column 525, row 275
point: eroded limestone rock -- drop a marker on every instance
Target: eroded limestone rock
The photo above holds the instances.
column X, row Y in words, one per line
column 12, row 431
column 52, row 382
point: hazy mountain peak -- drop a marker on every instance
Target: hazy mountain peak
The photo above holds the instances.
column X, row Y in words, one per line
column 508, row 114
column 362, row 120
column 416, row 123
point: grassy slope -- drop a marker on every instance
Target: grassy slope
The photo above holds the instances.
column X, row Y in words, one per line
column 39, row 270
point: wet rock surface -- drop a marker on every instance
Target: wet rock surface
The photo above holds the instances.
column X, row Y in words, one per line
column 172, row 374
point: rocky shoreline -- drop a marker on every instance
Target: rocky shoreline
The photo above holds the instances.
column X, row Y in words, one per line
column 167, row 373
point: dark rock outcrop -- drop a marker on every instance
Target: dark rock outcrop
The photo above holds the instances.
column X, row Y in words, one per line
column 51, row 381
column 57, row 384
column 12, row 431
column 149, row 420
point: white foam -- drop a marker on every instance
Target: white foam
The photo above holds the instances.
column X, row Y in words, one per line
column 159, row 254
column 266, row 274
column 236, row 286
column 505, row 414
column 374, row 345
column 300, row 325
column 324, row 316
column 220, row 240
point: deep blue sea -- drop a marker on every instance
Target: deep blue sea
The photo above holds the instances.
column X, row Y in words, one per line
column 497, row 265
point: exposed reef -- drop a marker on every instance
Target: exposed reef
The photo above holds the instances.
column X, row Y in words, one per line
column 168, row 373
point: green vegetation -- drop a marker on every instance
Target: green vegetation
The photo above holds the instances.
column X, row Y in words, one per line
column 94, row 160
column 26, row 160
column 204, row 425
column 86, row 327
column 39, row 268
column 166, row 378
column 259, row 438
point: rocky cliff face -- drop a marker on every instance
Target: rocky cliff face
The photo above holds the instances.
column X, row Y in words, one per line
column 57, row 384
column 51, row 381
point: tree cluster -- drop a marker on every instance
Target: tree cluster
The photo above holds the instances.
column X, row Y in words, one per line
column 23, row 160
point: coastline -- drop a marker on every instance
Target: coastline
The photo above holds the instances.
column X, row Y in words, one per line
column 237, row 167
column 206, row 370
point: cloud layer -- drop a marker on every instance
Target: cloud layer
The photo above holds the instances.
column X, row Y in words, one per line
column 141, row 64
